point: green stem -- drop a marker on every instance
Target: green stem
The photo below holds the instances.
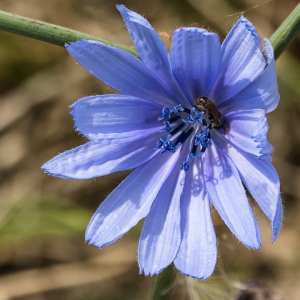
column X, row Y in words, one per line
column 60, row 36
column 50, row 33
column 162, row 284
column 286, row 32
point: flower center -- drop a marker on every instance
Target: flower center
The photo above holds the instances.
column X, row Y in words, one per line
column 199, row 120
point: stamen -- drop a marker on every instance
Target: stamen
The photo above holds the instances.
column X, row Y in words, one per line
column 203, row 137
column 160, row 142
column 184, row 136
column 185, row 166
column 166, row 112
column 188, row 111
column 174, row 119
column 167, row 127
column 165, row 145
column 190, row 119
column 168, row 146
column 177, row 108
column 201, row 117
column 177, row 129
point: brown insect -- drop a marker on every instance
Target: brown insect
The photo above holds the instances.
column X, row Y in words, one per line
column 209, row 107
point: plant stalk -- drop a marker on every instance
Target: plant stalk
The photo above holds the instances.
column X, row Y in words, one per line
column 162, row 284
column 49, row 33
column 60, row 36
column 286, row 32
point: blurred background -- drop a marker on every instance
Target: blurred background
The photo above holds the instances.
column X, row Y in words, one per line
column 43, row 219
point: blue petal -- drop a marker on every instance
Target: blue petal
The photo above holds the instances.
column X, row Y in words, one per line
column 277, row 221
column 248, row 131
column 261, row 93
column 197, row 254
column 261, row 180
column 195, row 59
column 153, row 52
column 93, row 160
column 228, row 196
column 120, row 70
column 160, row 237
column 130, row 201
column 112, row 119
column 242, row 61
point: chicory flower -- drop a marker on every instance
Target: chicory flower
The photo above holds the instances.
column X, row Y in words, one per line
column 193, row 124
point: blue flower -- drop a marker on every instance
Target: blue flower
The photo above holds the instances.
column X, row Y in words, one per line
column 193, row 125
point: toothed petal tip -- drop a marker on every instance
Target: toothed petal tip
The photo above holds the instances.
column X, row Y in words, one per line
column 151, row 273
column 49, row 170
column 277, row 221
column 204, row 277
column 197, row 30
column 254, row 246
